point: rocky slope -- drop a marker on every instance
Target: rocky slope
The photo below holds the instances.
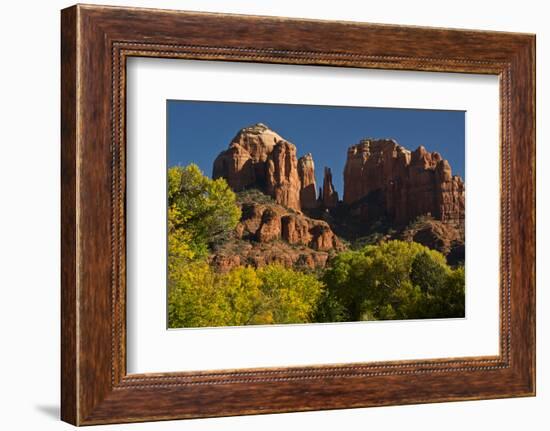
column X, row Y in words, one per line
column 269, row 232
column 444, row 237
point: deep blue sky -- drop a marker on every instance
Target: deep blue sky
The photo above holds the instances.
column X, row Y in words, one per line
column 199, row 131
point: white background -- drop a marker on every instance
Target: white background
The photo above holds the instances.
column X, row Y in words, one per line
column 29, row 220
column 151, row 348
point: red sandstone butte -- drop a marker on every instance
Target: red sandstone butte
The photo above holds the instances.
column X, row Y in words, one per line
column 385, row 178
column 258, row 157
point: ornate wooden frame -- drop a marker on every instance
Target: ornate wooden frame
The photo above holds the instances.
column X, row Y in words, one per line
column 95, row 43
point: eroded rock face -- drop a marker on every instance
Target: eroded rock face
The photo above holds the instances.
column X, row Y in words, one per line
column 265, row 223
column 269, row 226
column 383, row 181
column 261, row 254
column 243, row 163
column 270, row 233
column 282, row 180
column 386, row 179
column 306, row 172
column 260, row 158
column 235, row 165
column 437, row 235
column 329, row 196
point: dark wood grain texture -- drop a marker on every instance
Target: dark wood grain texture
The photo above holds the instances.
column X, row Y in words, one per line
column 69, row 367
column 96, row 41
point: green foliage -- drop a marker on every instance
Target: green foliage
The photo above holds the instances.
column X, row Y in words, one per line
column 450, row 300
column 428, row 273
column 391, row 280
column 254, row 196
column 198, row 296
column 330, row 309
column 291, row 296
column 394, row 280
column 204, row 208
column 193, row 297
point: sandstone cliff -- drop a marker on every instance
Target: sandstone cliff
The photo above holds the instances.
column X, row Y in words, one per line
column 282, row 180
column 381, row 178
column 260, row 158
column 306, row 172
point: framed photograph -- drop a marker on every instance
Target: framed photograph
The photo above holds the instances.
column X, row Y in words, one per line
column 264, row 215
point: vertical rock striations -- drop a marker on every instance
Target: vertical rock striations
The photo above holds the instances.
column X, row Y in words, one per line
column 281, row 179
column 382, row 178
column 236, row 166
column 260, row 158
column 329, row 196
column 243, row 163
column 306, row 172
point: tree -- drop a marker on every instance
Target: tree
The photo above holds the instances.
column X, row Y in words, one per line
column 452, row 302
column 193, row 297
column 199, row 296
column 290, row 296
column 180, row 247
column 330, row 309
column 428, row 273
column 393, row 280
column 204, row 208
column 244, row 299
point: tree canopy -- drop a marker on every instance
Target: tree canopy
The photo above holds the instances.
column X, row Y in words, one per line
column 199, row 296
column 203, row 208
column 393, row 280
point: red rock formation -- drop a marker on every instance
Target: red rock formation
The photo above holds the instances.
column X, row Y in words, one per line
column 269, row 233
column 434, row 234
column 270, row 226
column 235, row 165
column 269, row 222
column 295, row 229
column 282, row 180
column 370, row 165
column 260, row 158
column 449, row 193
column 329, row 196
column 243, row 164
column 306, row 172
column 258, row 140
column 383, row 178
column 261, row 254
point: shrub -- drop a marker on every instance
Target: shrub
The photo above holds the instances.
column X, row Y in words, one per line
column 204, row 208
